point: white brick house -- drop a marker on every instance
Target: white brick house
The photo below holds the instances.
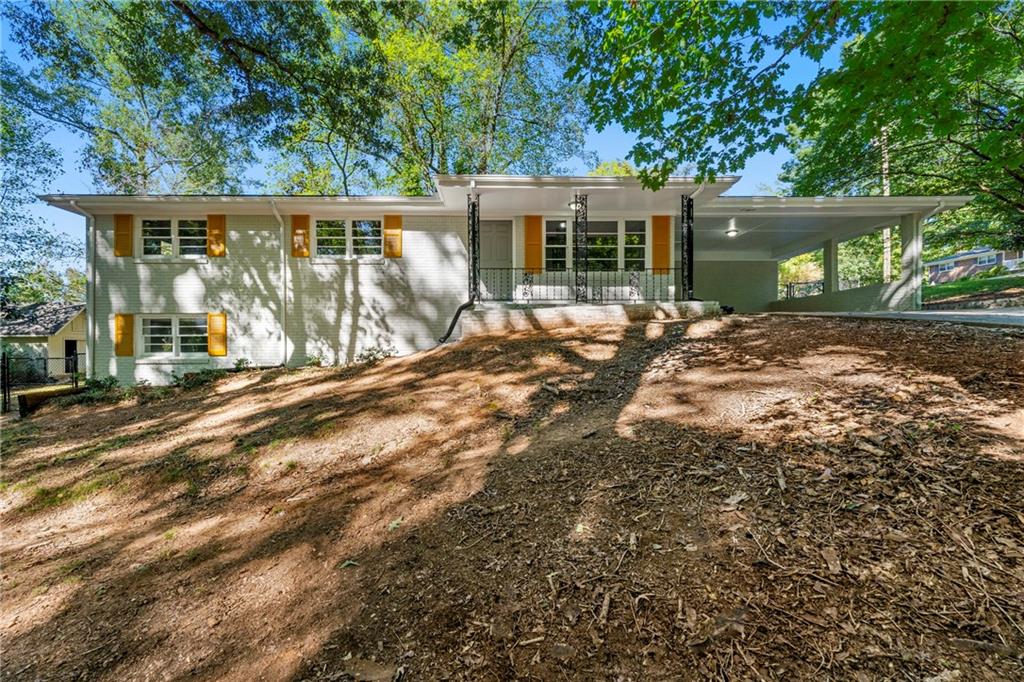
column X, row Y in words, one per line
column 181, row 283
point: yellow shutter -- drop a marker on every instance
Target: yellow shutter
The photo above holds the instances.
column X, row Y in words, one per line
column 216, row 235
column 661, row 243
column 217, row 334
column 300, row 236
column 392, row 236
column 124, row 334
column 123, row 229
column 533, row 253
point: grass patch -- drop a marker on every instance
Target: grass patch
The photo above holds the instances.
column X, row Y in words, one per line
column 47, row 497
column 970, row 286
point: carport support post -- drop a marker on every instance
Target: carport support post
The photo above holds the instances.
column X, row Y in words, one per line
column 911, row 269
column 831, row 267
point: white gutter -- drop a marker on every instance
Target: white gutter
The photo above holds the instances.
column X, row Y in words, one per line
column 284, row 282
column 90, row 289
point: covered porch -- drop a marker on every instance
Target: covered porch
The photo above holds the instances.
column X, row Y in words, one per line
column 597, row 240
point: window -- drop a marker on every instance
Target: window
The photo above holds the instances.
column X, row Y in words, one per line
column 330, row 238
column 359, row 238
column 635, row 249
column 944, row 267
column 175, row 335
column 173, row 237
column 988, row 259
column 367, row 238
column 603, row 245
column 555, row 245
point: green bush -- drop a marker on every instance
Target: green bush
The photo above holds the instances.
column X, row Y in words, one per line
column 374, row 354
column 198, row 379
column 994, row 272
column 315, row 360
column 242, row 364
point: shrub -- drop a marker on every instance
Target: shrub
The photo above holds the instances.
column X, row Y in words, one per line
column 242, row 364
column 994, row 272
column 374, row 354
column 192, row 380
column 315, row 360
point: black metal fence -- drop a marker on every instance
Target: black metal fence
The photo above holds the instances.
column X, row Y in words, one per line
column 521, row 285
column 801, row 289
column 22, row 373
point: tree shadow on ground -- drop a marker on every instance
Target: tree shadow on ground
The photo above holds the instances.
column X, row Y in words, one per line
column 528, row 506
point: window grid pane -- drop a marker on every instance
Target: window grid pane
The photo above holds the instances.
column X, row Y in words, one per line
column 555, row 243
column 156, row 238
column 635, row 245
column 157, row 335
column 330, row 237
column 192, row 237
column 367, row 238
column 192, row 334
column 603, row 245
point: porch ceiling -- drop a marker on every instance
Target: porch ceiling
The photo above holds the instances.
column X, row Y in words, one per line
column 780, row 227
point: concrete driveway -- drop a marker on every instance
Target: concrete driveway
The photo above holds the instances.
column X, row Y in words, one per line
column 989, row 317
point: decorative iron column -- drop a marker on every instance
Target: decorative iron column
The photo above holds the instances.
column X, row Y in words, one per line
column 579, row 247
column 684, row 269
column 473, row 232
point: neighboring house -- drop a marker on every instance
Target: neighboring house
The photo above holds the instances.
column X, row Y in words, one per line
column 44, row 330
column 967, row 263
column 181, row 283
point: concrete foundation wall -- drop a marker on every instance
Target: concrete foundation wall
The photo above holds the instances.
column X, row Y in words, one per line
column 748, row 286
column 496, row 319
column 895, row 296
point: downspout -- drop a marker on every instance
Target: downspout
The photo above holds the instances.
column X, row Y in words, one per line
column 90, row 289
column 284, row 283
column 471, row 252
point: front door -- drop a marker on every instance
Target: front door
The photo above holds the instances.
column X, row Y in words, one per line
column 496, row 277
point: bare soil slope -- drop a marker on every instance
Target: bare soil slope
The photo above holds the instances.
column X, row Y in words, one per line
column 747, row 498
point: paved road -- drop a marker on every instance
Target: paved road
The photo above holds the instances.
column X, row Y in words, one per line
column 989, row 317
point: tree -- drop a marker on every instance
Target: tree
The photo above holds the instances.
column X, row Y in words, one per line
column 29, row 249
column 156, row 114
column 707, row 82
column 614, row 168
column 477, row 88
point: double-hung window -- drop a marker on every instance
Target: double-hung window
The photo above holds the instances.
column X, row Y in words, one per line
column 987, row 259
column 355, row 238
column 635, row 245
column 603, row 245
column 945, row 267
column 175, row 335
column 173, row 237
column 556, row 245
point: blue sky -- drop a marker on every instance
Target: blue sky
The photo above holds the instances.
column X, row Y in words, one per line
column 611, row 143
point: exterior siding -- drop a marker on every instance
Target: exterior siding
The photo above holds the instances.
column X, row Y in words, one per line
column 335, row 309
column 893, row 296
column 748, row 286
column 75, row 329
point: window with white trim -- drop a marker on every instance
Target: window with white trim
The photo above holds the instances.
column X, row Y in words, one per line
column 635, row 245
column 175, row 335
column 944, row 267
column 603, row 245
column 987, row 259
column 556, row 245
column 355, row 238
column 173, row 237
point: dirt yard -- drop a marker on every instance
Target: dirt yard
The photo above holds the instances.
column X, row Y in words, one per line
column 752, row 498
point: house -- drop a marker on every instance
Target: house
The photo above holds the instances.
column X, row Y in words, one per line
column 967, row 263
column 46, row 331
column 182, row 283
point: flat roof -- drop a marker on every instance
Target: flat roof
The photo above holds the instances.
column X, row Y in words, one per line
column 765, row 226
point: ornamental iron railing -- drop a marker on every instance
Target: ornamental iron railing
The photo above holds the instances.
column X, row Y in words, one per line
column 521, row 285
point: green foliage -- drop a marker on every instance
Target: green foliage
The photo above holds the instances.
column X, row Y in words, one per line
column 997, row 271
column 31, row 253
column 192, row 380
column 970, row 285
column 614, row 168
column 707, row 83
column 860, row 259
column 157, row 114
column 374, row 354
column 806, row 267
column 242, row 364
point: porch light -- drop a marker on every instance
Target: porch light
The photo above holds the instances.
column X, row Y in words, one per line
column 573, row 205
column 731, row 231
